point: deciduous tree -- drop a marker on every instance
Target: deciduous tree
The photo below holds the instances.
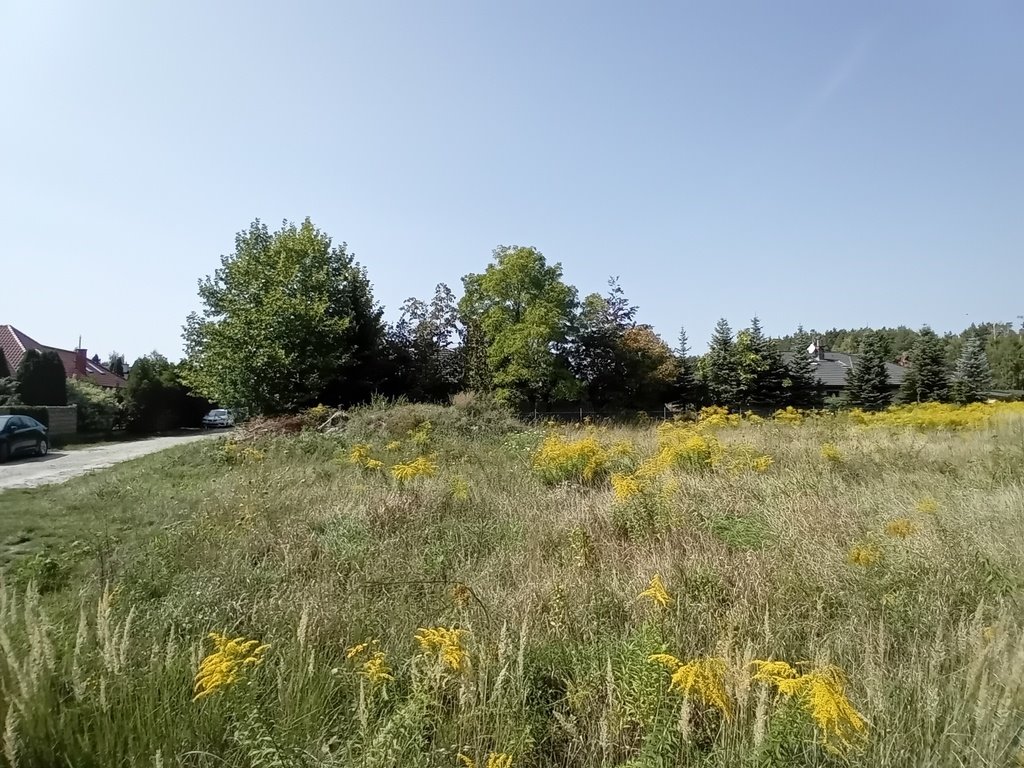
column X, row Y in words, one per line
column 524, row 310
column 288, row 321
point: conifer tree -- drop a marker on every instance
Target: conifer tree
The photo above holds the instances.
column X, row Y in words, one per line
column 973, row 376
column 868, row 385
column 719, row 366
column 927, row 379
column 761, row 373
column 685, row 388
column 801, row 388
column 41, row 379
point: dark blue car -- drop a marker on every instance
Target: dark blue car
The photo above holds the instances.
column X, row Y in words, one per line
column 22, row 434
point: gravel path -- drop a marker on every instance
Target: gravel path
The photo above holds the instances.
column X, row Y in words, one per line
column 60, row 466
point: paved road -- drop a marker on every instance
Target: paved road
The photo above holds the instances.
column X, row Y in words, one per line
column 60, row 466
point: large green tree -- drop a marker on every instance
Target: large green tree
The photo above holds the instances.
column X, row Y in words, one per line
column 761, row 372
column 720, row 366
column 41, row 379
column 927, row 378
column 973, row 378
column 524, row 310
column 868, row 385
column 288, row 321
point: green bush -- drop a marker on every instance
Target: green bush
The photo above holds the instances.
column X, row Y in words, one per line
column 98, row 409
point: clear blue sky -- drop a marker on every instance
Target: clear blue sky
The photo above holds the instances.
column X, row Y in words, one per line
column 830, row 164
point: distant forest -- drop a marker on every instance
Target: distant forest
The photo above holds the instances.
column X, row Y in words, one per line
column 1003, row 343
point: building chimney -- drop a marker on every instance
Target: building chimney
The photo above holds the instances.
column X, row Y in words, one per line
column 81, row 363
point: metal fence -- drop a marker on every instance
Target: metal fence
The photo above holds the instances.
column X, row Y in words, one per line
column 584, row 414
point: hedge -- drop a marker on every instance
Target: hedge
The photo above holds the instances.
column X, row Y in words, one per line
column 37, row 412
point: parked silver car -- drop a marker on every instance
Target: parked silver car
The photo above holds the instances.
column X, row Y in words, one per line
column 218, row 417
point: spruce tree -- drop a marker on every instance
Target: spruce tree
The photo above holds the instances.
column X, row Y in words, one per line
column 719, row 366
column 761, row 373
column 685, row 389
column 973, row 378
column 927, row 379
column 801, row 388
column 867, row 385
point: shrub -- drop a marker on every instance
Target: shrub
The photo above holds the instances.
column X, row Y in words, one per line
column 98, row 408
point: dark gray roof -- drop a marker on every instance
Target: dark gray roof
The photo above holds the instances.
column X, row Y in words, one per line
column 833, row 369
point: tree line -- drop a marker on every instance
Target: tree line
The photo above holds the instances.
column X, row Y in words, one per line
column 154, row 399
column 288, row 320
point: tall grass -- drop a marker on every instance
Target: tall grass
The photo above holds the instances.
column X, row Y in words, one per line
column 300, row 543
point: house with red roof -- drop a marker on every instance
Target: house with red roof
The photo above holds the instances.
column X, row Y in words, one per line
column 77, row 365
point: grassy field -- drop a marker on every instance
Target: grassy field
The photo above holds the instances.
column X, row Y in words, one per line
column 443, row 587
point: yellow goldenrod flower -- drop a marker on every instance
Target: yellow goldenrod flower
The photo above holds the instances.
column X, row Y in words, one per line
column 375, row 669
column 831, row 454
column 927, row 505
column 821, row 694
column 359, row 453
column 419, row 467
column 788, row 415
column 624, row 486
column 446, row 644
column 773, row 671
column 356, row 650
column 494, row 760
column 394, row 445
column 900, row 528
column 925, row 416
column 583, row 460
column 864, row 554
column 360, row 456
column 656, row 592
column 227, row 664
column 762, row 463
column 703, row 677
